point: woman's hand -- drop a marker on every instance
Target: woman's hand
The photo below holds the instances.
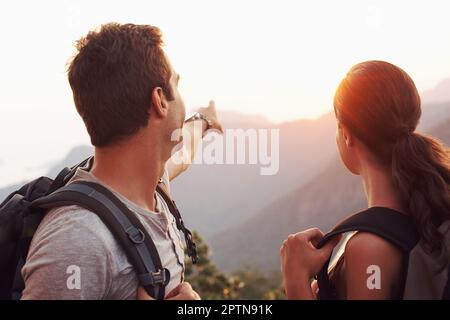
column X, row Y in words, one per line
column 301, row 260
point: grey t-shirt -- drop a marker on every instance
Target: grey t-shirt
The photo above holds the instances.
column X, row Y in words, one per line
column 73, row 255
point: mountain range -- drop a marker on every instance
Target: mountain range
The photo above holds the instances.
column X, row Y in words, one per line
column 325, row 200
column 245, row 216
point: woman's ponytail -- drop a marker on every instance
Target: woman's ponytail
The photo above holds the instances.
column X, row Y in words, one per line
column 421, row 171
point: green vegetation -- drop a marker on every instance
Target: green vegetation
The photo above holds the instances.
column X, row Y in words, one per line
column 245, row 283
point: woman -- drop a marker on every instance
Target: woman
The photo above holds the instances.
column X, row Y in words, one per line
column 377, row 108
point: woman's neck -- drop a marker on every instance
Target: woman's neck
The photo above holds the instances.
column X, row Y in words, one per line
column 379, row 188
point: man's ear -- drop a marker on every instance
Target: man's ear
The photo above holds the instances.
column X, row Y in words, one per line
column 159, row 102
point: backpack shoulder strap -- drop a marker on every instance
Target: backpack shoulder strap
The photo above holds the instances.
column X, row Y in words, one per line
column 191, row 247
column 123, row 224
column 446, row 294
column 66, row 174
column 395, row 227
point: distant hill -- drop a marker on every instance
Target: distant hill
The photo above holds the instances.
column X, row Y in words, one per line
column 235, row 119
column 440, row 93
column 214, row 197
column 442, row 131
column 326, row 199
column 75, row 156
column 204, row 210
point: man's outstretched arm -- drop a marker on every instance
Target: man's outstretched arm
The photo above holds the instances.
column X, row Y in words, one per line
column 180, row 160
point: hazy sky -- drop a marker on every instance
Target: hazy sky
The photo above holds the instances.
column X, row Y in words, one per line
column 282, row 59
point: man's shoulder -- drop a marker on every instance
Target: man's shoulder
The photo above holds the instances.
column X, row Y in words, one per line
column 71, row 237
column 71, row 214
column 76, row 226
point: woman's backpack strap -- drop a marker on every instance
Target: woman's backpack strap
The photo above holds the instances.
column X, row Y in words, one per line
column 395, row 227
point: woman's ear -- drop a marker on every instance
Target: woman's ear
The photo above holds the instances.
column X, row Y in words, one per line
column 348, row 138
column 159, row 102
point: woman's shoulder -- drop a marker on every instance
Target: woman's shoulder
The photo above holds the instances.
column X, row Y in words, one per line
column 366, row 247
column 367, row 254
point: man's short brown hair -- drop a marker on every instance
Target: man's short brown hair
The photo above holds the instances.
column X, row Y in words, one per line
column 112, row 77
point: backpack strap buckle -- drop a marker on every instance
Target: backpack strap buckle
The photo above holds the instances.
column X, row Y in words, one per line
column 135, row 234
column 160, row 277
column 191, row 246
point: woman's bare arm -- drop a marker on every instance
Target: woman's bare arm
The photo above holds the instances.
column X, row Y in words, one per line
column 373, row 267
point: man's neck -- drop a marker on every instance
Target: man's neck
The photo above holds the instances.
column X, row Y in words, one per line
column 132, row 169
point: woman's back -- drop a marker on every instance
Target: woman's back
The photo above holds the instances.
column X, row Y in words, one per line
column 377, row 109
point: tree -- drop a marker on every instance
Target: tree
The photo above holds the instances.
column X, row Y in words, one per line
column 246, row 283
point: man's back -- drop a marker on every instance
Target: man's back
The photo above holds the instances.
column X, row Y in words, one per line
column 72, row 241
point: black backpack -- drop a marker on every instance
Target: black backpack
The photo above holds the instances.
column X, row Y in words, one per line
column 22, row 211
column 424, row 276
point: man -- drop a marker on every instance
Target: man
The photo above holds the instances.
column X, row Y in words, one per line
column 125, row 90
